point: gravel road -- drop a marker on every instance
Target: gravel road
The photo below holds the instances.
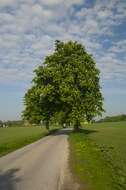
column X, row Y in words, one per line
column 38, row 166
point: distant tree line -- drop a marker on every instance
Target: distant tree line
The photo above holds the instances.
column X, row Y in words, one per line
column 116, row 118
column 19, row 123
column 1, row 123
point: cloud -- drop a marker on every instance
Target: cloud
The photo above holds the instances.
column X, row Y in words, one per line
column 61, row 2
column 7, row 2
column 28, row 29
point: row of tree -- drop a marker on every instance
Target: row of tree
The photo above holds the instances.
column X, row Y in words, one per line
column 65, row 88
column 114, row 118
column 1, row 123
column 19, row 123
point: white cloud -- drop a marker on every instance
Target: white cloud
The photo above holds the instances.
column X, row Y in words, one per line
column 28, row 33
column 9, row 41
column 61, row 2
column 7, row 2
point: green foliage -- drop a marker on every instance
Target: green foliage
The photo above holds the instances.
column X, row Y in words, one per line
column 1, row 123
column 66, row 87
column 98, row 156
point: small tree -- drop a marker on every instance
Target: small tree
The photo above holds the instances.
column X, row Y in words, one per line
column 1, row 123
column 67, row 82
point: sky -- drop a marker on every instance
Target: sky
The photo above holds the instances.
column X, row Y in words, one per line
column 28, row 30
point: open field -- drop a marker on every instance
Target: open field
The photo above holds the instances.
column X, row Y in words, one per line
column 15, row 137
column 98, row 156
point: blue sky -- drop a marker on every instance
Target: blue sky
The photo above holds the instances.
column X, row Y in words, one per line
column 28, row 29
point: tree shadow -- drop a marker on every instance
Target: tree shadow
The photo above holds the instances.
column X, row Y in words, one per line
column 61, row 131
column 8, row 179
column 68, row 131
column 85, row 131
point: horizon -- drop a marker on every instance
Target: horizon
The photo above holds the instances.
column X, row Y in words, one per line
column 28, row 30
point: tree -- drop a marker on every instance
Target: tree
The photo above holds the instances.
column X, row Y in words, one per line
column 68, row 83
column 1, row 123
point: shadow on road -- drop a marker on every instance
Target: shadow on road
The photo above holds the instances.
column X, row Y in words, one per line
column 8, row 179
column 68, row 131
column 65, row 131
column 86, row 131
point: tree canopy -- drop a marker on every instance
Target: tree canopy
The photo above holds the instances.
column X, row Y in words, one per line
column 65, row 87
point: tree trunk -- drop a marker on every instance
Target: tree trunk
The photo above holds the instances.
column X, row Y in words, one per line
column 47, row 125
column 77, row 126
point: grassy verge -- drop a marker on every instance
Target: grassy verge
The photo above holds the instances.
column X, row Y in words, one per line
column 16, row 137
column 98, row 156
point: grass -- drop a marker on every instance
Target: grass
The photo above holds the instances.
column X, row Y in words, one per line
column 98, row 156
column 12, row 138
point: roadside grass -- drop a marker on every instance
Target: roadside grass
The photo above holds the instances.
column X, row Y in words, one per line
column 98, row 156
column 12, row 138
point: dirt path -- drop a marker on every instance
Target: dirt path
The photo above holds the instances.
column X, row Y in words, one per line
column 38, row 166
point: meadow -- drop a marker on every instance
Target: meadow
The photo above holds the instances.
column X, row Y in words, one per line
column 98, row 156
column 12, row 138
column 97, row 152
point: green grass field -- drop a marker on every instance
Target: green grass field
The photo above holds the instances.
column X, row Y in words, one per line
column 12, row 138
column 98, row 156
